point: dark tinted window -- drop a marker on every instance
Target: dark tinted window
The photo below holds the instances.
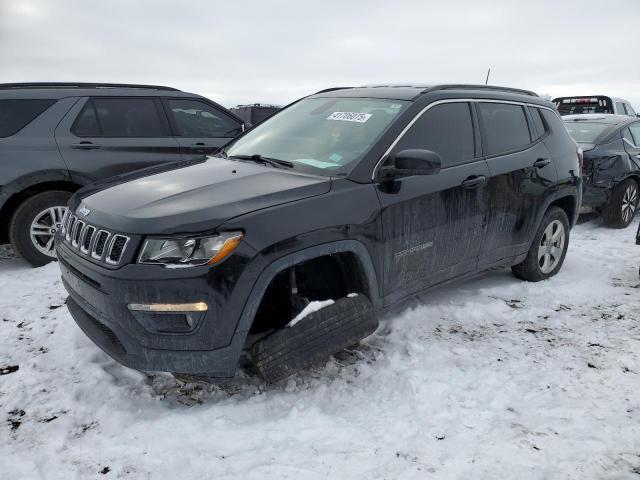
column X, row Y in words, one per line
column 17, row 114
column 635, row 132
column 538, row 121
column 626, row 134
column 86, row 125
column 446, row 129
column 578, row 105
column 505, row 127
column 194, row 118
column 119, row 117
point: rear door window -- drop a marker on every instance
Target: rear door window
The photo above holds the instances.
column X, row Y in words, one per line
column 194, row 118
column 15, row 114
column 620, row 109
column 446, row 129
column 505, row 127
column 119, row 117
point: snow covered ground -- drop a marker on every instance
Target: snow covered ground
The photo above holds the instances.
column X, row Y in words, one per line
column 489, row 378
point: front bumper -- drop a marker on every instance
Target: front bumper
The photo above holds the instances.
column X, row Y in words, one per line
column 98, row 300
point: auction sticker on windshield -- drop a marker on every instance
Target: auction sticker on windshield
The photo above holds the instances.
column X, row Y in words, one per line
column 350, row 116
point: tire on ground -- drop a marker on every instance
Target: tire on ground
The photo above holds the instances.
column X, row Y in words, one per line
column 20, row 225
column 314, row 338
column 612, row 212
column 529, row 268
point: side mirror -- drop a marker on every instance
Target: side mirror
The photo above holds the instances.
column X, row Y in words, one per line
column 412, row 162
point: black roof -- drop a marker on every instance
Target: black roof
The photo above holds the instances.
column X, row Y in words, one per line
column 79, row 89
column 412, row 91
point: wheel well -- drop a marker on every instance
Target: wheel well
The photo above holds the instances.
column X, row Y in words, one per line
column 17, row 198
column 327, row 277
column 568, row 204
column 636, row 178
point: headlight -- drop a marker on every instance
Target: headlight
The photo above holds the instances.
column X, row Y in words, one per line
column 189, row 252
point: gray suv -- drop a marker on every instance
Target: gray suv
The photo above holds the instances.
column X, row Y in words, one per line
column 58, row 137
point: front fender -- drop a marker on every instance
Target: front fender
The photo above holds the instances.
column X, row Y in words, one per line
column 270, row 271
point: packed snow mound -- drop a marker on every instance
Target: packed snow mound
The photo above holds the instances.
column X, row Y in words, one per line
column 488, row 378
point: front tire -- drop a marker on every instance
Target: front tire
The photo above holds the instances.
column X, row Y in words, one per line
column 621, row 209
column 314, row 338
column 34, row 225
column 549, row 247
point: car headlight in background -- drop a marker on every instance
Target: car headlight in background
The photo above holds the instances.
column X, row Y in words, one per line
column 189, row 252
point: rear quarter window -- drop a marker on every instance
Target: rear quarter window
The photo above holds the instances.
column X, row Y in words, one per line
column 15, row 114
column 538, row 122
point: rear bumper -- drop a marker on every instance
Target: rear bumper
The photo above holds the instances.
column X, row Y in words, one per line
column 98, row 302
column 595, row 196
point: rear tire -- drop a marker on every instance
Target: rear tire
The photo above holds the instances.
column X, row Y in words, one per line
column 549, row 247
column 42, row 210
column 314, row 338
column 622, row 206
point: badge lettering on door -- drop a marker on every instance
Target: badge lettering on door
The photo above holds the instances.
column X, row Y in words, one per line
column 403, row 253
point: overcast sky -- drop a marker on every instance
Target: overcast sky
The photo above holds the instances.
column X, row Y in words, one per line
column 276, row 51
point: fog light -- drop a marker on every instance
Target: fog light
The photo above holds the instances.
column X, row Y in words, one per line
column 169, row 317
column 169, row 307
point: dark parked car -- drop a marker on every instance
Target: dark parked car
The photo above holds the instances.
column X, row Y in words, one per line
column 611, row 146
column 360, row 196
column 55, row 138
column 255, row 113
column 593, row 104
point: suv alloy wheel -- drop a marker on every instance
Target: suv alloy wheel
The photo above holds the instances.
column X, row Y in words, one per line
column 34, row 225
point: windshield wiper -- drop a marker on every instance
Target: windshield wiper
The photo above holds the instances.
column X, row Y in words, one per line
column 274, row 162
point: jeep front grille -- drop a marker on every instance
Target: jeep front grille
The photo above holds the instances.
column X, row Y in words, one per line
column 89, row 240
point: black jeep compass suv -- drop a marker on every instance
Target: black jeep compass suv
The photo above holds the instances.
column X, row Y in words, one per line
column 353, row 197
column 58, row 137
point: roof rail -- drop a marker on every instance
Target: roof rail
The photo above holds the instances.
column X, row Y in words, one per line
column 332, row 89
column 480, row 87
column 82, row 85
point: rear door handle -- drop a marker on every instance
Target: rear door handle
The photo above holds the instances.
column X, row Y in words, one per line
column 199, row 147
column 541, row 162
column 474, row 181
column 85, row 146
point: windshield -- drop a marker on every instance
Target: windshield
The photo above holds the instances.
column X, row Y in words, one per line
column 585, row 132
column 327, row 134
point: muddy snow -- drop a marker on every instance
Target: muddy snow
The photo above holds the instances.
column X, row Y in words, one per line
column 488, row 378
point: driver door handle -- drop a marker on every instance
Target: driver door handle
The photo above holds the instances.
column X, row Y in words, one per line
column 474, row 181
column 85, row 146
column 541, row 162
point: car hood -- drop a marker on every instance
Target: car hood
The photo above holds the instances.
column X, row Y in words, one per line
column 196, row 197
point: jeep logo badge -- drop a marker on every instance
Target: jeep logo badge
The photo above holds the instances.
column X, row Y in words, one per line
column 84, row 211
